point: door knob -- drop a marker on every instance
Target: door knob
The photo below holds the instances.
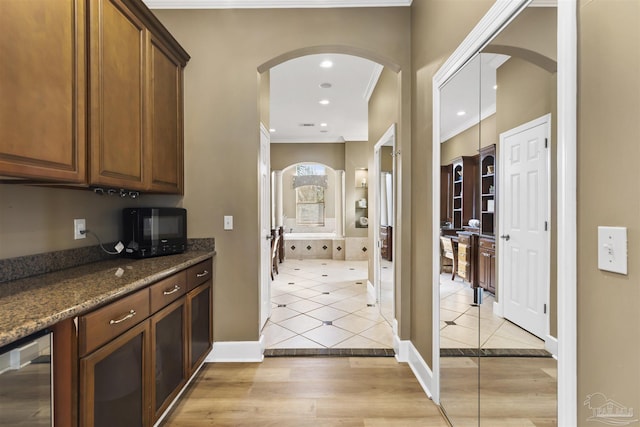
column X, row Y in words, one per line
column 505, row 237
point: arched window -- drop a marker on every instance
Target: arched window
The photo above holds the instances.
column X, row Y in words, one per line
column 310, row 183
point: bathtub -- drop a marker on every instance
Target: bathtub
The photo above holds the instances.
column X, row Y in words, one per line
column 314, row 246
column 309, row 236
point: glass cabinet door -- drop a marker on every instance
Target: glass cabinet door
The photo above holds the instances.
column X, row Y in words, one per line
column 112, row 379
column 168, row 331
column 200, row 324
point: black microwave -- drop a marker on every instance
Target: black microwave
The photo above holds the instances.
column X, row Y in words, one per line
column 150, row 232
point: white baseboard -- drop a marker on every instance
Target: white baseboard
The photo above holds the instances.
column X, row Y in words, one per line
column 237, row 351
column 420, row 369
column 551, row 345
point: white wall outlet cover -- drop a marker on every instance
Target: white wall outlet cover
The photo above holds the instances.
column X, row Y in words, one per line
column 79, row 225
column 228, row 222
column 612, row 249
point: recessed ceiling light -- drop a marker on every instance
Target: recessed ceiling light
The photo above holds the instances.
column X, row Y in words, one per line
column 325, row 85
column 462, row 113
column 272, row 130
column 326, row 64
column 324, row 125
column 324, row 102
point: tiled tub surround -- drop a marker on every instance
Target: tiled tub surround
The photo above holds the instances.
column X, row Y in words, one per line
column 324, row 246
column 35, row 303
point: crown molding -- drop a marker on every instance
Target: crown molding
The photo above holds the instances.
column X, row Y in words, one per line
column 271, row 4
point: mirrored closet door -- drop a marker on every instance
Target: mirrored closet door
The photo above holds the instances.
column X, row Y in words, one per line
column 497, row 307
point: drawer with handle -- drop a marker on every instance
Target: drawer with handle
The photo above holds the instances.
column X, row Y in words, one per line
column 104, row 324
column 487, row 243
column 168, row 290
column 199, row 274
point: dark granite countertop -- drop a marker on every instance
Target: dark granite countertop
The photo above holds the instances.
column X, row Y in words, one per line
column 35, row 303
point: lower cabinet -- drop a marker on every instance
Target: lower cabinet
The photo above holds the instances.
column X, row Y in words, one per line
column 113, row 381
column 487, row 264
column 168, row 360
column 137, row 353
column 200, row 324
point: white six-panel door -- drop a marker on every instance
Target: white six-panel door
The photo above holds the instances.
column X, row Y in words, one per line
column 524, row 232
column 265, row 226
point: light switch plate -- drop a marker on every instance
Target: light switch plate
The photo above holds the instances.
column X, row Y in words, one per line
column 612, row 249
column 228, row 222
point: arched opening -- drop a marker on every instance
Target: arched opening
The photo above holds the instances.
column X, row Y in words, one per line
column 336, row 224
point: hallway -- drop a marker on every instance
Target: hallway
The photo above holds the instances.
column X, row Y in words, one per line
column 320, row 304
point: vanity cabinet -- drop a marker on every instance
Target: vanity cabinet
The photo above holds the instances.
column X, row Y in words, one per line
column 43, row 81
column 137, row 353
column 487, row 264
column 92, row 95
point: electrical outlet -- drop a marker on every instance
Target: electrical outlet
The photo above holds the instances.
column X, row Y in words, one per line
column 79, row 225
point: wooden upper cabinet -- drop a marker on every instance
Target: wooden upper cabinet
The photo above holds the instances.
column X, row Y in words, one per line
column 165, row 120
column 42, row 87
column 117, row 95
column 136, row 99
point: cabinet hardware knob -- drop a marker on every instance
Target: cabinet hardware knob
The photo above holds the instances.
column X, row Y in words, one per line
column 128, row 316
column 204, row 273
column 175, row 289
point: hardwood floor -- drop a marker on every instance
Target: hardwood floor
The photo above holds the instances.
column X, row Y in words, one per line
column 515, row 391
column 301, row 391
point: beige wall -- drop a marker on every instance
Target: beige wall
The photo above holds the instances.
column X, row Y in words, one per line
column 466, row 143
column 284, row 155
column 227, row 48
column 36, row 219
column 608, row 179
column 438, row 27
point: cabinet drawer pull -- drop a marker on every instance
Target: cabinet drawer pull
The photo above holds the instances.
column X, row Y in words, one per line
column 175, row 289
column 128, row 316
column 204, row 273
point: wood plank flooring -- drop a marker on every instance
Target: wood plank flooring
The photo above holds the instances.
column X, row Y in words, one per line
column 515, row 391
column 301, row 391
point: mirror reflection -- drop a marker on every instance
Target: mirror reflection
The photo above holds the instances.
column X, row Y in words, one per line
column 385, row 168
column 497, row 282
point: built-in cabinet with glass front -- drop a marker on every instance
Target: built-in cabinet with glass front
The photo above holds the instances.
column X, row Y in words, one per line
column 137, row 353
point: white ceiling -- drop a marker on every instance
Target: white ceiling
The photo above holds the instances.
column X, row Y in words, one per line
column 463, row 94
column 295, row 111
column 269, row 4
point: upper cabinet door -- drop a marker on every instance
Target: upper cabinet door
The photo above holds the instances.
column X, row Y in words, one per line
column 42, row 87
column 118, row 40
column 165, row 120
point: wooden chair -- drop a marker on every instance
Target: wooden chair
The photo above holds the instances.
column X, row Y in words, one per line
column 449, row 252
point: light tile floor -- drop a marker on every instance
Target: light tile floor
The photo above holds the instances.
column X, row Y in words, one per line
column 456, row 298
column 324, row 304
